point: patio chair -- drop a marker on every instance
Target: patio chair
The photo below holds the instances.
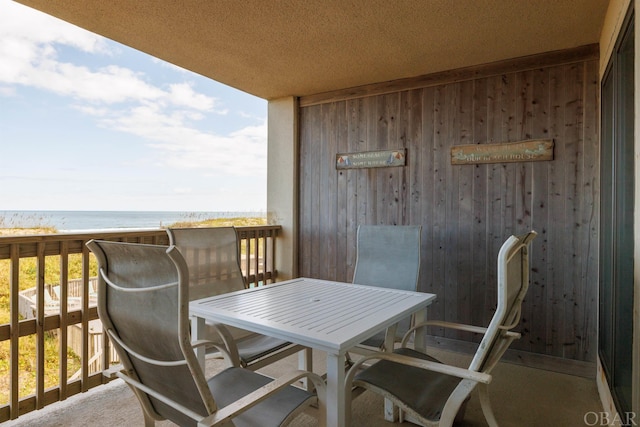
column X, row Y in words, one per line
column 50, row 304
column 143, row 304
column 432, row 393
column 387, row 256
column 213, row 258
column 73, row 302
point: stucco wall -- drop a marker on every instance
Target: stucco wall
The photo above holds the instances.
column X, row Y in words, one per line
column 282, row 188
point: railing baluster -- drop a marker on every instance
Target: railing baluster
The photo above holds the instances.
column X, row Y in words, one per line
column 14, row 334
column 64, row 297
column 84, row 386
column 263, row 257
column 255, row 253
column 247, row 260
column 269, row 257
column 40, row 354
column 106, row 351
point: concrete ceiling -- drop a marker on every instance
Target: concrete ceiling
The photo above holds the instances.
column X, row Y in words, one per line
column 276, row 48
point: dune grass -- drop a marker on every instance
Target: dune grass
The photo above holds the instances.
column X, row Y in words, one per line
column 223, row 222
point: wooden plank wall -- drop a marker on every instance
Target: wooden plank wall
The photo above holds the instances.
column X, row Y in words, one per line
column 467, row 211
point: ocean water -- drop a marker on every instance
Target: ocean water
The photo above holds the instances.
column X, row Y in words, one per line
column 65, row 221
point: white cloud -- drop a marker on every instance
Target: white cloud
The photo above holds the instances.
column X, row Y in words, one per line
column 182, row 94
column 183, row 190
column 92, row 111
column 182, row 147
column 18, row 22
column 123, row 99
column 7, row 91
column 29, row 43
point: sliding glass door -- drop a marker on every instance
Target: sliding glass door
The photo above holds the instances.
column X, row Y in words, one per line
column 616, row 219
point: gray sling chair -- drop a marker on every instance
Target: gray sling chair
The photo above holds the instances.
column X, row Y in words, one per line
column 432, row 393
column 143, row 303
column 387, row 256
column 213, row 258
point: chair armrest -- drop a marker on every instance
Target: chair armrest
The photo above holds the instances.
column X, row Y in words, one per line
column 442, row 368
column 229, row 343
column 443, row 324
column 112, row 371
column 223, row 415
column 228, row 357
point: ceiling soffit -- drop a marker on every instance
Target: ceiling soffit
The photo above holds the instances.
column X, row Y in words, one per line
column 293, row 47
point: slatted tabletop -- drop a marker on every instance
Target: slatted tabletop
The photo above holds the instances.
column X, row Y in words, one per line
column 329, row 316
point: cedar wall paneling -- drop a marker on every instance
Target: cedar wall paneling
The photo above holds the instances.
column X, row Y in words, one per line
column 467, row 211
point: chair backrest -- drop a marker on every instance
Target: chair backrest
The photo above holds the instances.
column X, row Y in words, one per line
column 143, row 303
column 513, row 282
column 212, row 255
column 388, row 256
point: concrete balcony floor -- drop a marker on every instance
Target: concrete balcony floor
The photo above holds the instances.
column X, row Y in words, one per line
column 520, row 396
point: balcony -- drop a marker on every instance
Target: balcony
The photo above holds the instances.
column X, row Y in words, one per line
column 67, row 318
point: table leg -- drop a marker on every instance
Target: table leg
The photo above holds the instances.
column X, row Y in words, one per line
column 197, row 331
column 336, row 415
column 419, row 342
column 390, row 337
column 390, row 410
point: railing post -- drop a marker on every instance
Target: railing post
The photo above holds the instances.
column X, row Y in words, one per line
column 64, row 294
column 256, row 271
column 264, row 257
column 14, row 331
column 247, row 259
column 84, row 328
column 40, row 315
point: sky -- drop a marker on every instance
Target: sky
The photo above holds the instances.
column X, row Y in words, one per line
column 90, row 124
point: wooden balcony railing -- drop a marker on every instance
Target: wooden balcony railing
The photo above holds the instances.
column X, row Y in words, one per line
column 59, row 316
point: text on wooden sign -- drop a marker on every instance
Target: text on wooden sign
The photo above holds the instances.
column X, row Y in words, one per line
column 371, row 159
column 525, row 151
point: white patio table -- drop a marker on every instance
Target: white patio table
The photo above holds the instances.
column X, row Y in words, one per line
column 324, row 315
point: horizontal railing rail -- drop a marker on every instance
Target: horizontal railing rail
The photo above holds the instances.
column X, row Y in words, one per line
column 64, row 313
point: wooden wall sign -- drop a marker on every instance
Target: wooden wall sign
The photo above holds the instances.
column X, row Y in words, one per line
column 371, row 159
column 525, row 151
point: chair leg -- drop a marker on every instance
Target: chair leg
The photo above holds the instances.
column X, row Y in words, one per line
column 148, row 421
column 485, row 403
column 391, row 411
